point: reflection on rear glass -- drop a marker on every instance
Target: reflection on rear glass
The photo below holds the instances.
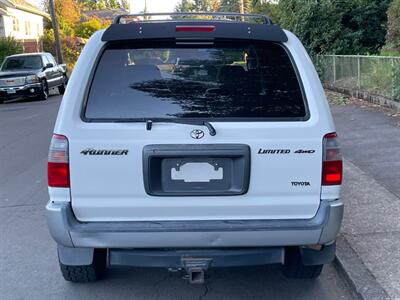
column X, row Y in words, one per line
column 221, row 81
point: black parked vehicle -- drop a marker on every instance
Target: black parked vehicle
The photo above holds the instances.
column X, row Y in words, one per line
column 31, row 75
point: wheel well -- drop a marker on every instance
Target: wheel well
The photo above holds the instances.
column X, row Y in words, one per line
column 45, row 81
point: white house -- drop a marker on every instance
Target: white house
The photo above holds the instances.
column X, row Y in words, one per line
column 24, row 22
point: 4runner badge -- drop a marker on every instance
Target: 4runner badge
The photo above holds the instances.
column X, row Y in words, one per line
column 197, row 134
column 90, row 151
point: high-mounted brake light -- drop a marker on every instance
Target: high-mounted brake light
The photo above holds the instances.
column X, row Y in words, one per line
column 332, row 168
column 58, row 162
column 197, row 28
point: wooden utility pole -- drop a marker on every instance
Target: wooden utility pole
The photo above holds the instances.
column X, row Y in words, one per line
column 145, row 10
column 60, row 58
column 241, row 8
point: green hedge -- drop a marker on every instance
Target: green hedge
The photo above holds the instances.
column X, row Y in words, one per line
column 9, row 46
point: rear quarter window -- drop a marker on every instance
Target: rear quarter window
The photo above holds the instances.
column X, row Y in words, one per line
column 219, row 81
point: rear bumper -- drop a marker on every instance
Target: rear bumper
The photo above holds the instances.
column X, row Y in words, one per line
column 67, row 231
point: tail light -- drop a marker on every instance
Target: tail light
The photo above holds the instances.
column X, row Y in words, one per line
column 58, row 162
column 332, row 168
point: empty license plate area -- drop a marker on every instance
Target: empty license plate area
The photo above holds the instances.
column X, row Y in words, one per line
column 189, row 170
column 196, row 174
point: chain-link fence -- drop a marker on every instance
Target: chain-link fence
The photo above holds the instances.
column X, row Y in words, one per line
column 377, row 75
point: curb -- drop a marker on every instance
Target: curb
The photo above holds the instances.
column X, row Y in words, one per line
column 361, row 280
column 366, row 96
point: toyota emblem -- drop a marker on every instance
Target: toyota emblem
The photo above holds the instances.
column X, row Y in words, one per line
column 197, row 134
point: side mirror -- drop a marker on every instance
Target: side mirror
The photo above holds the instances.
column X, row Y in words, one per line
column 47, row 66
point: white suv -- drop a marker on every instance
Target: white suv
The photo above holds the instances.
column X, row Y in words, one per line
column 191, row 143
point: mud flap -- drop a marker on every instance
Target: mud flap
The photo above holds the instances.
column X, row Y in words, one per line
column 75, row 256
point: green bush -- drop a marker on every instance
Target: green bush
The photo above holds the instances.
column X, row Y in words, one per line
column 70, row 45
column 336, row 27
column 71, row 48
column 380, row 77
column 393, row 32
column 9, row 46
column 316, row 23
column 86, row 29
column 396, row 82
column 389, row 52
column 48, row 41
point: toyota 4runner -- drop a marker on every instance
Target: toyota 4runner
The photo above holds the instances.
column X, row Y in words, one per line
column 191, row 142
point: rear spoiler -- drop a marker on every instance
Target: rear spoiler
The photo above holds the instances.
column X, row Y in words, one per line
column 221, row 25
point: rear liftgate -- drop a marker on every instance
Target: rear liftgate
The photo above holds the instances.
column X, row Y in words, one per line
column 196, row 170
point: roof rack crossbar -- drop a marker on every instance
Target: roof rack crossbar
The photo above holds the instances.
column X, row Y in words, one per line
column 216, row 15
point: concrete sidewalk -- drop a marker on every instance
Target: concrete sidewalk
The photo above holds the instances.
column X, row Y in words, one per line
column 369, row 245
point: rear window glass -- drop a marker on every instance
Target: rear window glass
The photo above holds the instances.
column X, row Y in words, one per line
column 172, row 80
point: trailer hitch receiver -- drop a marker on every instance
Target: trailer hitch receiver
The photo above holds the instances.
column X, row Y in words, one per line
column 195, row 267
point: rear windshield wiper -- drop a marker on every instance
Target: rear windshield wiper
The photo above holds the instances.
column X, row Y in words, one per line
column 211, row 129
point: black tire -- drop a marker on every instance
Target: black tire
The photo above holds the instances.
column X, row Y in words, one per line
column 61, row 88
column 1, row 101
column 294, row 268
column 44, row 91
column 89, row 273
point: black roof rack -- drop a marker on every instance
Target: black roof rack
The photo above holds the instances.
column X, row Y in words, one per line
column 193, row 15
column 224, row 26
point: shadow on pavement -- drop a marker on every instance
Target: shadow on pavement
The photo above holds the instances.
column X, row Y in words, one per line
column 259, row 282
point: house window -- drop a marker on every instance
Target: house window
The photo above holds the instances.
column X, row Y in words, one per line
column 27, row 28
column 15, row 24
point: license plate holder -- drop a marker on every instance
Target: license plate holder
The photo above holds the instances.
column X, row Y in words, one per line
column 196, row 171
column 225, row 169
column 202, row 180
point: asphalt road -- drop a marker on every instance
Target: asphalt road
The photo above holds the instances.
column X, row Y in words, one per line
column 371, row 140
column 28, row 259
